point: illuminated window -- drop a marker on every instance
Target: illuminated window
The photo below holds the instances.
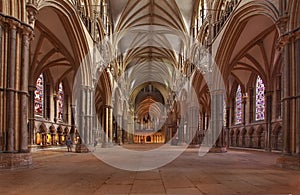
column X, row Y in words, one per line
column 60, row 102
column 260, row 99
column 39, row 96
column 238, row 106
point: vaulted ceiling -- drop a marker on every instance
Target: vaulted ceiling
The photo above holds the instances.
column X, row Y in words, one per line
column 150, row 35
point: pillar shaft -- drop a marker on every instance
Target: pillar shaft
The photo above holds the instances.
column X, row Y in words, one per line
column 216, row 122
column 11, row 88
column 31, row 115
column 87, row 127
column 24, row 94
column 106, row 124
column 269, row 99
column 181, row 131
column 110, row 126
column 297, row 118
column 119, row 129
column 2, row 111
column 286, row 101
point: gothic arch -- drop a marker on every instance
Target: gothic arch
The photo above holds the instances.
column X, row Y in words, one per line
column 75, row 30
column 250, row 136
column 66, row 131
column 235, row 86
column 243, row 134
column 59, row 129
column 259, row 137
column 235, row 28
column 52, row 129
column 201, row 89
column 43, row 128
column 277, row 139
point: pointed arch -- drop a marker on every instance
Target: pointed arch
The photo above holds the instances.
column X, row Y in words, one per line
column 73, row 25
column 43, row 128
column 235, row 27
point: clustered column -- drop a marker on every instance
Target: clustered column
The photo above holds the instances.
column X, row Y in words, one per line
column 108, row 124
column 297, row 118
column 268, row 120
column 11, row 87
column 24, row 90
column 290, row 47
column 14, row 41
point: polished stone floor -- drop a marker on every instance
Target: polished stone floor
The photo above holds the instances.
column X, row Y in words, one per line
column 56, row 171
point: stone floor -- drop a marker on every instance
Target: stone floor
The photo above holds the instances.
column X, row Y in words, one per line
column 234, row 172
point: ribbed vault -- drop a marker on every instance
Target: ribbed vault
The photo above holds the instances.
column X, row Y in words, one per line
column 150, row 36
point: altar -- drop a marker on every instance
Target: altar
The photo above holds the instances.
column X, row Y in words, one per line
column 148, row 136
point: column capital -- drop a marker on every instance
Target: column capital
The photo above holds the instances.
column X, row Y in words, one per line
column 282, row 24
column 13, row 24
column 108, row 106
column 284, row 37
column 27, row 31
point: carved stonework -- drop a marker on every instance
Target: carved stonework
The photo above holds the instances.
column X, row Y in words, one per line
column 282, row 25
column 32, row 12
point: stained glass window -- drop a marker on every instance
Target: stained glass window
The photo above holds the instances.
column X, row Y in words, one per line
column 238, row 106
column 260, row 99
column 39, row 96
column 60, row 102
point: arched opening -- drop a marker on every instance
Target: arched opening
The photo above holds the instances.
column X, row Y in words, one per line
column 56, row 53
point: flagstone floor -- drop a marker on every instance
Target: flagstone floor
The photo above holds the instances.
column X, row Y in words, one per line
column 56, row 171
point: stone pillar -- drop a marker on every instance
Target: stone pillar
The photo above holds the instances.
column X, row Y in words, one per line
column 11, row 87
column 131, row 128
column 31, row 115
column 2, row 112
column 119, row 129
column 125, row 129
column 268, row 135
column 24, row 91
column 82, row 123
column 289, row 45
column 216, row 122
column 87, row 127
column 14, row 42
column 227, row 142
column 93, row 117
column 110, row 124
column 193, row 116
column 286, row 104
column 297, row 109
column 106, row 124
column 181, row 132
